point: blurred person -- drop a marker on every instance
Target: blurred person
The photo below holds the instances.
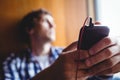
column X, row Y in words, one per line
column 37, row 29
column 42, row 59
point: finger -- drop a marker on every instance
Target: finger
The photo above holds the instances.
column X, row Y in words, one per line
column 83, row 54
column 82, row 73
column 113, row 70
column 105, row 42
column 103, row 55
column 78, row 54
column 80, row 57
column 97, row 23
column 105, row 65
column 71, row 46
column 81, row 65
column 73, row 57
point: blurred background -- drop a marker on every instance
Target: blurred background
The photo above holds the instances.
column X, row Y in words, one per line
column 69, row 17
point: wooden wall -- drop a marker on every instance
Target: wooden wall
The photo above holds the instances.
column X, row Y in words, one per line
column 69, row 16
column 75, row 15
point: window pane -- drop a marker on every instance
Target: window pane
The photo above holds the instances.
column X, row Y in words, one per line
column 108, row 12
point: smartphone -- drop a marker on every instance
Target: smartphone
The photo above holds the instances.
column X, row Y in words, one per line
column 90, row 34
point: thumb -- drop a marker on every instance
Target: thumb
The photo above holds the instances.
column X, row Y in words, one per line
column 97, row 23
column 72, row 46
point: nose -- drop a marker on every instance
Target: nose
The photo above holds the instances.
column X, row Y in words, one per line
column 51, row 24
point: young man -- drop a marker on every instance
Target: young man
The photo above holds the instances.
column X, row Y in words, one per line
column 38, row 30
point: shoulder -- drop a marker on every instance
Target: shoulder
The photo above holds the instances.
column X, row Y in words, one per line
column 15, row 58
column 10, row 60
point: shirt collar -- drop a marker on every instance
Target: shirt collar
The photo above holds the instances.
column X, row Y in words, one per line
column 53, row 55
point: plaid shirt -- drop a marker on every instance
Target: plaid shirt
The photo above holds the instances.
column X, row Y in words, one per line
column 23, row 66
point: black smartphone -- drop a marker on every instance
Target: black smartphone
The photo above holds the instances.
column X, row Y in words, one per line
column 90, row 34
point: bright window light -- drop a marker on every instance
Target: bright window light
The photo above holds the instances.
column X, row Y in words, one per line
column 108, row 12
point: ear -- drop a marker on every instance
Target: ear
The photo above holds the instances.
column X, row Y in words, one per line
column 31, row 31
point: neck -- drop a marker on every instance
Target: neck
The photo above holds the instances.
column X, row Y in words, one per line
column 40, row 47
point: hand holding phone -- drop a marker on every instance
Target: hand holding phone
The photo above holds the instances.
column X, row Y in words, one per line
column 89, row 35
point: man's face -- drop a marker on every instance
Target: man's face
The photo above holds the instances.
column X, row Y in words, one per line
column 45, row 28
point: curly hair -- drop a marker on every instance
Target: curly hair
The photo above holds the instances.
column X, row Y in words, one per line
column 27, row 23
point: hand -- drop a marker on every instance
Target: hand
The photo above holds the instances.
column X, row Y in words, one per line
column 104, row 57
column 64, row 67
column 72, row 46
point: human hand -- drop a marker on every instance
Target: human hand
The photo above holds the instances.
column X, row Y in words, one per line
column 104, row 57
column 64, row 67
column 72, row 46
